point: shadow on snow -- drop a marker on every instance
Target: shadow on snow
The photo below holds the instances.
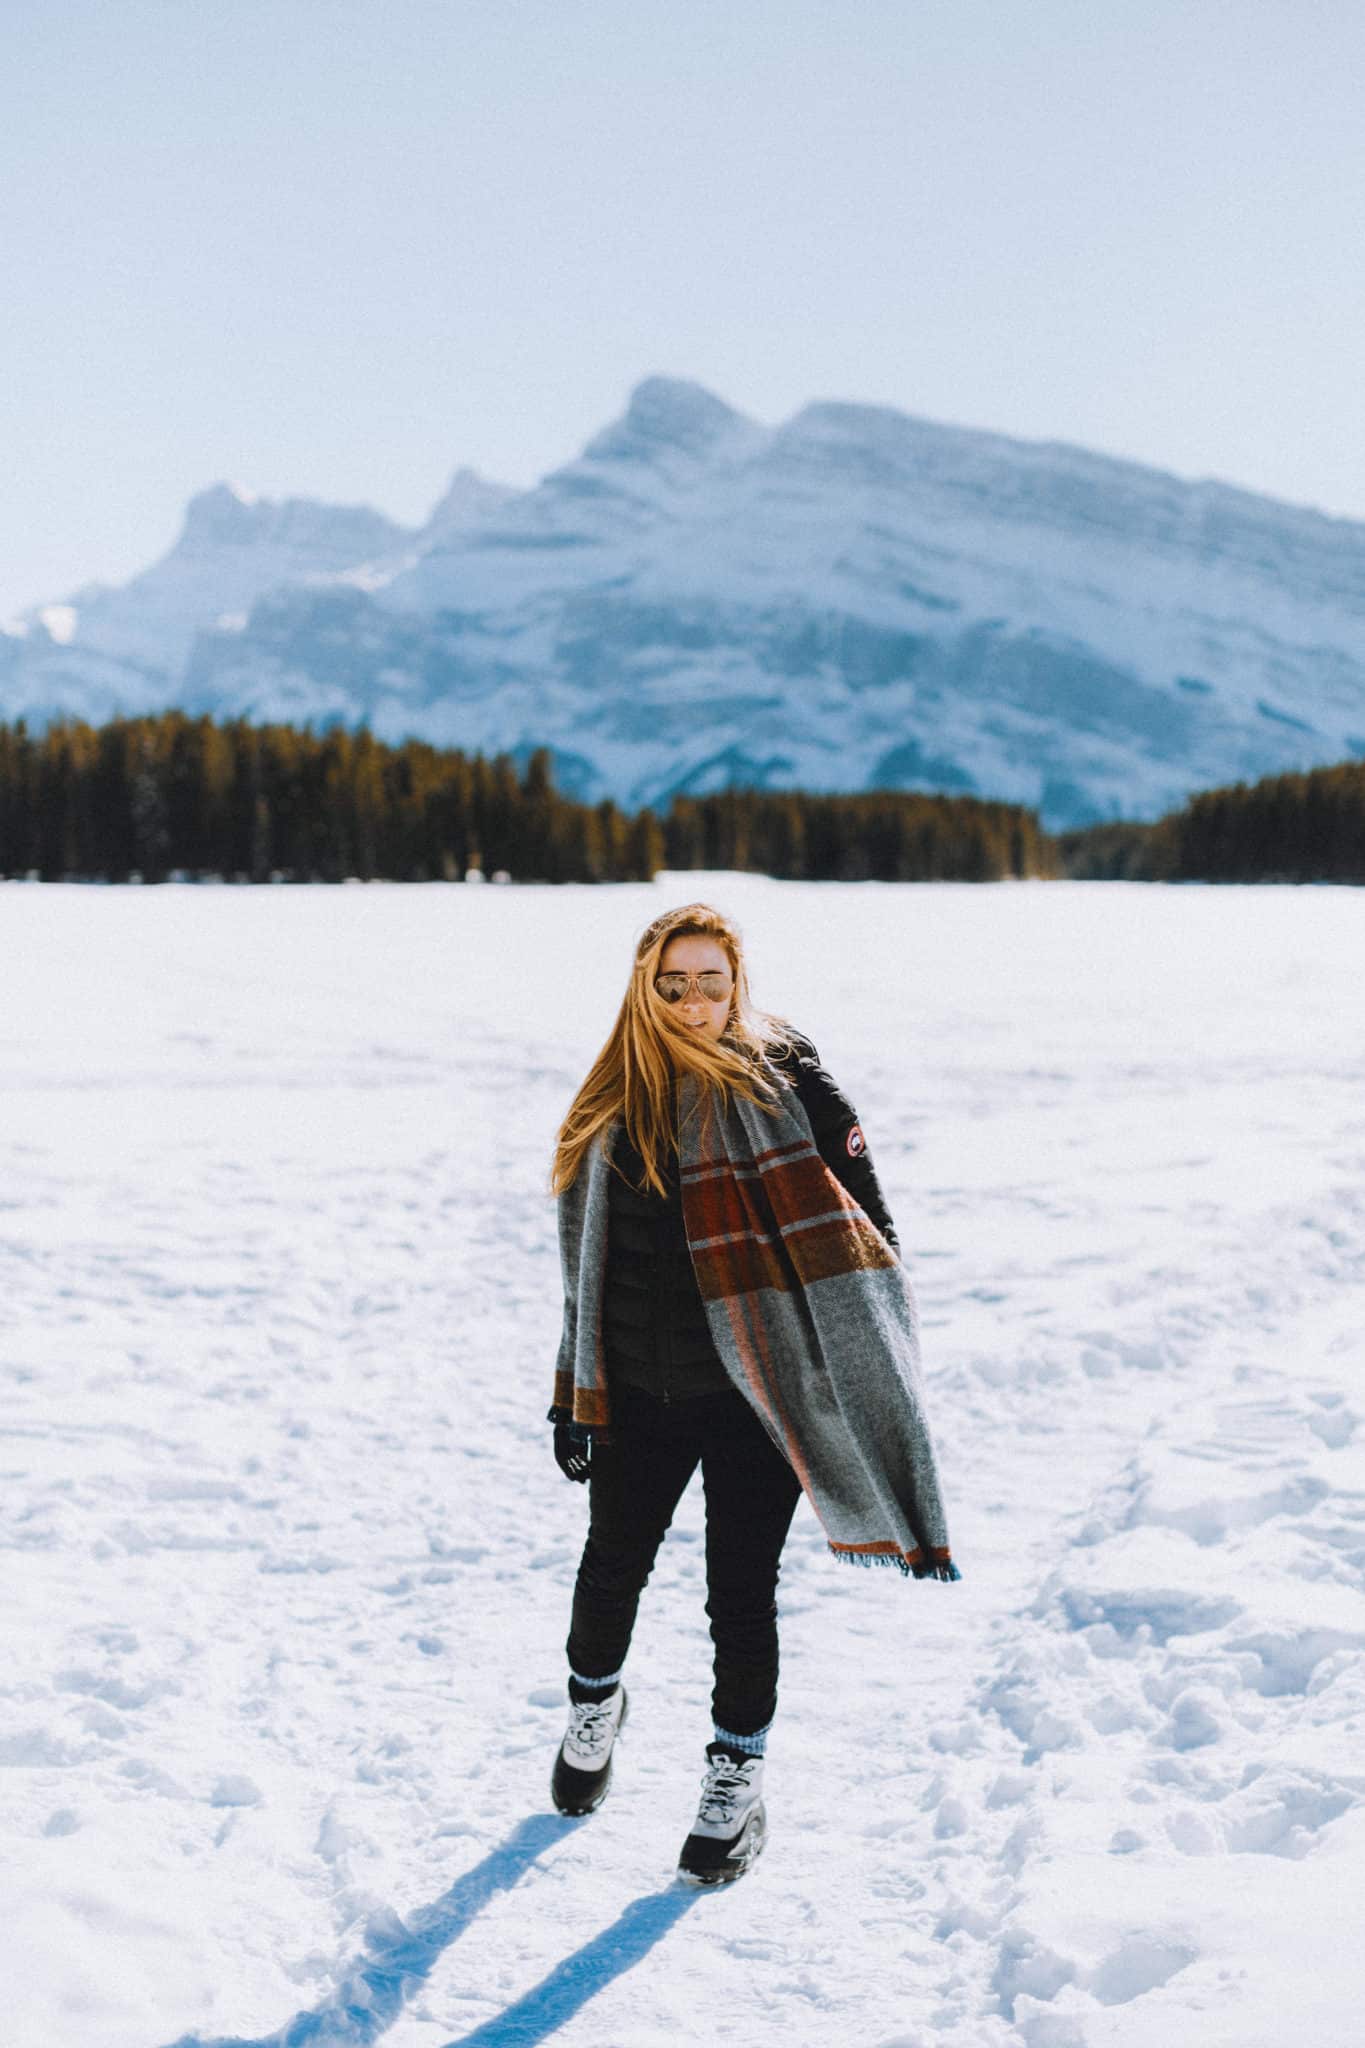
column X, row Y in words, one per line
column 399, row 1958
column 583, row 1974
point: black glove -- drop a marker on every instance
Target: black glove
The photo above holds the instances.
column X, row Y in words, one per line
column 572, row 1452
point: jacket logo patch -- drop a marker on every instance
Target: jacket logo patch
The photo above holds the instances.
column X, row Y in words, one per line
column 856, row 1142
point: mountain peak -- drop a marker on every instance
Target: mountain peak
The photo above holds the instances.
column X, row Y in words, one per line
column 222, row 512
column 675, row 405
column 667, row 416
column 469, row 499
column 325, row 536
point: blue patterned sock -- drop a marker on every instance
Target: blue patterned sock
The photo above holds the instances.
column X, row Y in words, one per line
column 747, row 1745
column 581, row 1688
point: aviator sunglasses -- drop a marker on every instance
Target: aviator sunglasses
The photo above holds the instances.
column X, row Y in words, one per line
column 713, row 986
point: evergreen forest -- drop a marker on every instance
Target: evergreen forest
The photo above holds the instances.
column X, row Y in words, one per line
column 174, row 797
column 1308, row 827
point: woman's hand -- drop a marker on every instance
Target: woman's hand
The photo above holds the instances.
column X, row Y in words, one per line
column 572, row 1453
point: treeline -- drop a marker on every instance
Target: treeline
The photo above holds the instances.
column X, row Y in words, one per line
column 877, row 836
column 170, row 795
column 174, row 796
column 1308, row 827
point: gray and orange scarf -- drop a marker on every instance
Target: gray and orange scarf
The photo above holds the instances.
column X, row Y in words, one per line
column 810, row 1309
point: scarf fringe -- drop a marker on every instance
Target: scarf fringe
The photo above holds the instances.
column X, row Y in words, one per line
column 942, row 1568
column 589, row 1433
column 947, row 1571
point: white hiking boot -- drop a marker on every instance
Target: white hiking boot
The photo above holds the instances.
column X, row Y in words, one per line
column 582, row 1769
column 731, row 1825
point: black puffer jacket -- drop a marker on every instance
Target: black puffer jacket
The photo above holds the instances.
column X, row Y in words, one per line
column 654, row 1323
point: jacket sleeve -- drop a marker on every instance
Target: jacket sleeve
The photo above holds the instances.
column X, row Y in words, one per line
column 839, row 1136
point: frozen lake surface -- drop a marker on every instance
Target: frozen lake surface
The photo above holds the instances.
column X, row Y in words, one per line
column 288, row 1562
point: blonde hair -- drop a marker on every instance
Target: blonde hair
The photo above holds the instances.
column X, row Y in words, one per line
column 631, row 1080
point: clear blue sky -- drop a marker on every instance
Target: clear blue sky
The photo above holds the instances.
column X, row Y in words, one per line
column 337, row 247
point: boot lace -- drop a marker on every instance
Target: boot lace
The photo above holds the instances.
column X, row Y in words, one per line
column 723, row 1789
column 592, row 1725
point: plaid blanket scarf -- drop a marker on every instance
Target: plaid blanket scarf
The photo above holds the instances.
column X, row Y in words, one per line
column 811, row 1311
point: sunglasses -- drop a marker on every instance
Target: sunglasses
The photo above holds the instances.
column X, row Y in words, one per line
column 713, row 986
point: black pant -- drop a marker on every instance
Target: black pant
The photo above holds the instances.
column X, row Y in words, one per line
column 635, row 1483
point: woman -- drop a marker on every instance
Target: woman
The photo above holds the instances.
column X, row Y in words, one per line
column 732, row 1298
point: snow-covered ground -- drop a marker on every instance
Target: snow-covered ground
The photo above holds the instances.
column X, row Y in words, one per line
column 287, row 1561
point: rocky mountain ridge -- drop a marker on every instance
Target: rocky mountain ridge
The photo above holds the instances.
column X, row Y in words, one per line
column 853, row 598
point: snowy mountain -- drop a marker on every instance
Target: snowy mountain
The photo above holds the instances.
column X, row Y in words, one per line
column 127, row 649
column 854, row 598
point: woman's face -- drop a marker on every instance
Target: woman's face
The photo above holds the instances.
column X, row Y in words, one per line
column 694, row 955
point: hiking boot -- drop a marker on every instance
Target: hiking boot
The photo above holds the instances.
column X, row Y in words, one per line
column 582, row 1769
column 731, row 1825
